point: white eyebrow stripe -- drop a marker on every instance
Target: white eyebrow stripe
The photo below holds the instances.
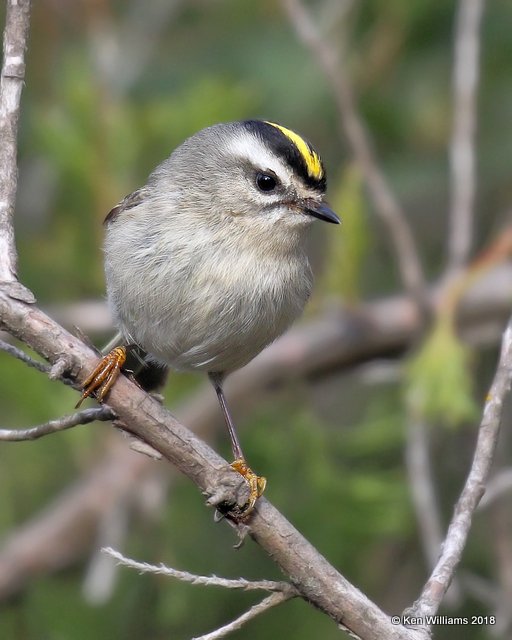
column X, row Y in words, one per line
column 248, row 147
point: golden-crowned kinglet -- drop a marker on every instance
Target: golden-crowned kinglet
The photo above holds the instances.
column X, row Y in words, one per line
column 206, row 264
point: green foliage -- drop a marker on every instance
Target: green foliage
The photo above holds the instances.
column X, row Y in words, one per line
column 347, row 246
column 439, row 384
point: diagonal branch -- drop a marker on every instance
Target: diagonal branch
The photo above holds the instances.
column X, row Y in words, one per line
column 316, row 580
column 462, row 148
column 455, row 541
column 11, row 84
column 385, row 203
column 267, row 603
column 332, row 342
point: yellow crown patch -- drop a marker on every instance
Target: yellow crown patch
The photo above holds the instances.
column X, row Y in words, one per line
column 309, row 155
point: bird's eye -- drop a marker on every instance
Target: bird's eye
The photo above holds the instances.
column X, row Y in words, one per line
column 266, row 182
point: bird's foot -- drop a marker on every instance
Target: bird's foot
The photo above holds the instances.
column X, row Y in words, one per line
column 102, row 378
column 256, row 484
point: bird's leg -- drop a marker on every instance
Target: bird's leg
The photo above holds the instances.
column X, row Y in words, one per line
column 256, row 483
column 101, row 379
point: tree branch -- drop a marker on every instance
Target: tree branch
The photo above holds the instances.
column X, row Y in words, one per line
column 462, row 148
column 336, row 341
column 316, row 580
column 205, row 581
column 271, row 601
column 86, row 416
column 24, row 357
column 11, row 84
column 282, row 590
column 455, row 541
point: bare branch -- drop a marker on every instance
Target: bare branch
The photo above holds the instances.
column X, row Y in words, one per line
column 11, row 84
column 462, row 148
column 208, row 581
column 337, row 340
column 24, row 357
column 317, row 581
column 283, row 590
column 271, row 601
column 385, row 203
column 455, row 541
column 57, row 371
column 52, row 426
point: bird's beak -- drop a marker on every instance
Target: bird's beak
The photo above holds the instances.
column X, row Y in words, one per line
column 321, row 211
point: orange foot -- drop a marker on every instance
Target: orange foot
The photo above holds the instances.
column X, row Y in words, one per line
column 100, row 381
column 256, row 484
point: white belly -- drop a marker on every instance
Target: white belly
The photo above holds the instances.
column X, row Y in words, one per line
column 213, row 312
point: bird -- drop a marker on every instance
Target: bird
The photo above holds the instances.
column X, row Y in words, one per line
column 207, row 264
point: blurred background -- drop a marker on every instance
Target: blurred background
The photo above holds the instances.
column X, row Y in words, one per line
column 364, row 417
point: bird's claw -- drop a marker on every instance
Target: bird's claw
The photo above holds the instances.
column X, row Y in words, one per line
column 256, row 484
column 101, row 379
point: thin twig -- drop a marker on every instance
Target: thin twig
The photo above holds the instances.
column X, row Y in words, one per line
column 11, row 84
column 462, row 148
column 430, row 599
column 43, row 367
column 270, row 601
column 385, row 203
column 102, row 414
column 31, row 362
column 215, row 581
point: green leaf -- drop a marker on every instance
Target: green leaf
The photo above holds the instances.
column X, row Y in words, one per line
column 438, row 379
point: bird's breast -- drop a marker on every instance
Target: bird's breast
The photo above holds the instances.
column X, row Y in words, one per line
column 208, row 307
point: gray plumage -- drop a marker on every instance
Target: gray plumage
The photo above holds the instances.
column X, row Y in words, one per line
column 203, row 268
